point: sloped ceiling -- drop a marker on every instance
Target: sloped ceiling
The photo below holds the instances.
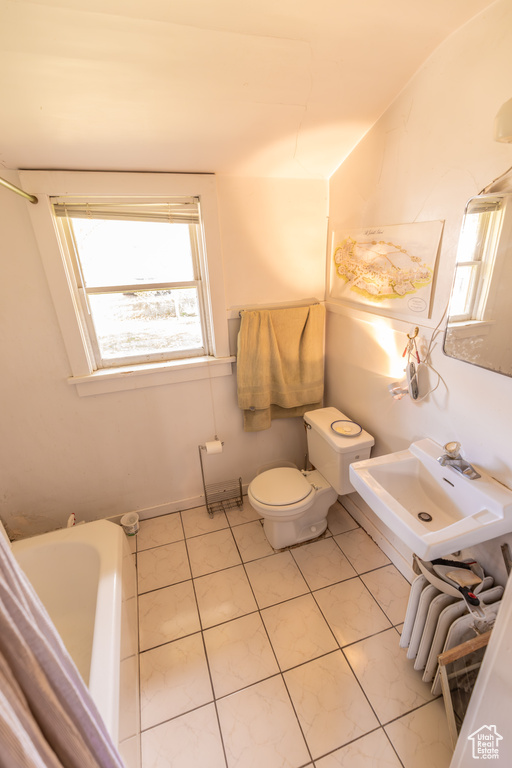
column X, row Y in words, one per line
column 246, row 87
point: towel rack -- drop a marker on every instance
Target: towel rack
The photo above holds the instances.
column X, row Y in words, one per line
column 286, row 305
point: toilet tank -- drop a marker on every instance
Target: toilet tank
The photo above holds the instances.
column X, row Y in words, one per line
column 332, row 453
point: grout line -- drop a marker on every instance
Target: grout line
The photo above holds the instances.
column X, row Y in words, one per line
column 376, row 601
column 259, row 610
column 297, row 717
column 360, row 684
column 352, row 741
column 367, row 637
column 277, row 660
column 393, row 747
column 206, row 657
column 414, row 709
column 139, row 703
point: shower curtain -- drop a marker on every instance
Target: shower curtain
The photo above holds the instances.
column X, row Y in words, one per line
column 47, row 716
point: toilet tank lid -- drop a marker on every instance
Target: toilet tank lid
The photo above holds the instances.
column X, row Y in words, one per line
column 321, row 420
column 281, row 486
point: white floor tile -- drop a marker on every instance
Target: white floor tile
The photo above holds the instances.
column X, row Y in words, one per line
column 162, row 566
column 275, row 578
column 174, row 679
column 223, row 596
column 212, row 552
column 129, row 698
column 239, row 654
column 185, row 742
column 421, row 737
column 351, row 611
column 391, row 591
column 371, row 751
column 130, row 752
column 159, row 530
column 388, row 678
column 339, row 520
column 259, row 728
column 197, row 521
column 329, row 703
column 167, row 614
column 251, row 541
column 298, row 632
column 246, row 514
column 361, row 550
column 322, row 563
column 259, row 723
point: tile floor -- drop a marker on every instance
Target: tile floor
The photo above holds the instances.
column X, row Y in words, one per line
column 252, row 658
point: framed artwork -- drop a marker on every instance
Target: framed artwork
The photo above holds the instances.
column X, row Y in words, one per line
column 389, row 268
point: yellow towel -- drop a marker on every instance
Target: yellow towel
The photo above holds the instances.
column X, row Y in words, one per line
column 280, row 363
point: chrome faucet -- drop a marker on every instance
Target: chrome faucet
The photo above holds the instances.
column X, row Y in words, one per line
column 452, row 458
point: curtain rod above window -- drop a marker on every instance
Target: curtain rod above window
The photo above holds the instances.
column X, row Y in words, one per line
column 18, row 191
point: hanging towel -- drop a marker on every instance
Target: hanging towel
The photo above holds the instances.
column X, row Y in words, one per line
column 47, row 716
column 280, row 363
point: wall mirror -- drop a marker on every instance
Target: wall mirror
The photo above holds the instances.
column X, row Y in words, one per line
column 480, row 311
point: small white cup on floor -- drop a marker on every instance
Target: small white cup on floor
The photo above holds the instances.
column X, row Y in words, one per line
column 130, row 523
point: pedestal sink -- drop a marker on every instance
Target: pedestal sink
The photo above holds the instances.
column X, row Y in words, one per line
column 435, row 510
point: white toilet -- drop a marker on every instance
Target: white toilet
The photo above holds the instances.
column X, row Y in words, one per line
column 294, row 503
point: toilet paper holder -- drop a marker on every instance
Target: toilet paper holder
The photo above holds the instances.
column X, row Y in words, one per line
column 220, row 496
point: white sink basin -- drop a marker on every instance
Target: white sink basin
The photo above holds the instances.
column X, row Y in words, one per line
column 401, row 486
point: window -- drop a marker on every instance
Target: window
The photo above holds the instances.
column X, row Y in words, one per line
column 138, row 269
column 134, row 266
column 475, row 259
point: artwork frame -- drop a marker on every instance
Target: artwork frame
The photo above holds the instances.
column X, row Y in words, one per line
column 390, row 268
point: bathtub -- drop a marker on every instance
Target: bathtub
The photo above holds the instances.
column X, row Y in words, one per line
column 85, row 577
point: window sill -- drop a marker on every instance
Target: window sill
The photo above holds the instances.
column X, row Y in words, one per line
column 469, row 328
column 151, row 375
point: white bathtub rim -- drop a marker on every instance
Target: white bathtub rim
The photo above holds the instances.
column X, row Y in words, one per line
column 104, row 679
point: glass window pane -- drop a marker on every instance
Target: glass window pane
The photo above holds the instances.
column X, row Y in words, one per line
column 132, row 252
column 146, row 322
column 469, row 238
column 477, row 233
column 464, row 285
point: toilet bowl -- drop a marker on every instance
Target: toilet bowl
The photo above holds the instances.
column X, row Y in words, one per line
column 294, row 503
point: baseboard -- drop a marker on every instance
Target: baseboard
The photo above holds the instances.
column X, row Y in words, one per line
column 168, row 507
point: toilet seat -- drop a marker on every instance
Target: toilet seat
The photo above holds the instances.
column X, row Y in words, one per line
column 281, row 487
column 293, row 504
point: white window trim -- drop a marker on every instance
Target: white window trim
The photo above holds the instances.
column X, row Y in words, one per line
column 46, row 184
column 480, row 286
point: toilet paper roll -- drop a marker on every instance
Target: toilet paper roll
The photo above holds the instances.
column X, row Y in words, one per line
column 214, row 446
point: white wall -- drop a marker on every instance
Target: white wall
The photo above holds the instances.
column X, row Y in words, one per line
column 106, row 454
column 430, row 152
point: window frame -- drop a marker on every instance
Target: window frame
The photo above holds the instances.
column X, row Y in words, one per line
column 68, row 241
column 59, row 271
column 481, row 259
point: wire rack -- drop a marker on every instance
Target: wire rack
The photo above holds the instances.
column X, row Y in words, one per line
column 222, row 496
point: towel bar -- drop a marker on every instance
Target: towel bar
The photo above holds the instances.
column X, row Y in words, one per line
column 290, row 305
